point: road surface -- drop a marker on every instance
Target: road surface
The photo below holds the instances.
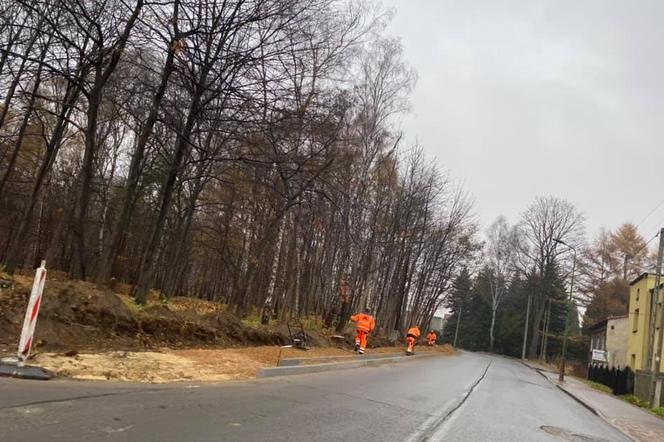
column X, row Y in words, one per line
column 469, row 397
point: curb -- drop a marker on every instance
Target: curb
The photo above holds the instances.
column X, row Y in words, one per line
column 319, row 368
column 596, row 413
column 583, row 403
column 27, row 372
column 580, row 401
column 291, row 362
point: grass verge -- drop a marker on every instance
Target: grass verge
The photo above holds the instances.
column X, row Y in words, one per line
column 597, row 386
column 659, row 411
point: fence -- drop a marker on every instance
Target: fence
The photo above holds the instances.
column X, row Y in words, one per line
column 621, row 381
column 642, row 384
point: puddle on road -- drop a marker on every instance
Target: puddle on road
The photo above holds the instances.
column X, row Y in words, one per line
column 570, row 435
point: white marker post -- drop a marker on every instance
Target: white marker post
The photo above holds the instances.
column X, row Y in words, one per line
column 30, row 321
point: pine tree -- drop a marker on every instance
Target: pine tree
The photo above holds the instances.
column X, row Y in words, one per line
column 467, row 300
column 461, row 289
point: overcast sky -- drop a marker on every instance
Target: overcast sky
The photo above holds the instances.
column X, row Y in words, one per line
column 534, row 97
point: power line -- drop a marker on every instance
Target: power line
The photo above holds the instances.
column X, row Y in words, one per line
column 650, row 213
column 646, row 244
column 651, row 239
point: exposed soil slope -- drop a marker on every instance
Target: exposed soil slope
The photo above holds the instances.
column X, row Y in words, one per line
column 82, row 316
column 86, row 331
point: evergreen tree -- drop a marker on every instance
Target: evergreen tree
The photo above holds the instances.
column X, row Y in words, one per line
column 461, row 289
column 610, row 298
column 466, row 300
column 509, row 326
column 474, row 331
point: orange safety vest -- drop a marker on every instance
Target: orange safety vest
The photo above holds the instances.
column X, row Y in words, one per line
column 364, row 322
column 415, row 331
column 431, row 336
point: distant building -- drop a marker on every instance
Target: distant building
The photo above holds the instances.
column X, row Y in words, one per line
column 437, row 323
column 609, row 341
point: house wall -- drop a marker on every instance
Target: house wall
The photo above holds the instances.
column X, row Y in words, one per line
column 617, row 339
column 639, row 322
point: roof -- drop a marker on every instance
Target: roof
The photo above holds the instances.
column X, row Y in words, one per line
column 618, row 317
column 645, row 275
column 598, row 325
column 639, row 278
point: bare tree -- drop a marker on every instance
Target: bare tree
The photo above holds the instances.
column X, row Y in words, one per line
column 548, row 219
column 174, row 42
column 244, row 152
column 500, row 252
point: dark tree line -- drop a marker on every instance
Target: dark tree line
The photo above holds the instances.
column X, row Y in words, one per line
column 521, row 276
column 531, row 263
column 472, row 299
column 526, row 265
column 239, row 151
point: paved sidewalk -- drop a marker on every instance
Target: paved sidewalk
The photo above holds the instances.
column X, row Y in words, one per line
column 635, row 422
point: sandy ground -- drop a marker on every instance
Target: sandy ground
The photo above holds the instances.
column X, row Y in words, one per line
column 187, row 365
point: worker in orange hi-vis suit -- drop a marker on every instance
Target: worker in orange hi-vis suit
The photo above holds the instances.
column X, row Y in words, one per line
column 431, row 338
column 411, row 338
column 365, row 323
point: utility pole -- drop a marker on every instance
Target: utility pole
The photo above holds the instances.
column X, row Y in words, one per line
column 545, row 337
column 456, row 331
column 548, row 327
column 561, row 376
column 525, row 329
column 656, row 355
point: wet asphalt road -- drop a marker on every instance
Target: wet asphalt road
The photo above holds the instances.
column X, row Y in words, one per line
column 469, row 397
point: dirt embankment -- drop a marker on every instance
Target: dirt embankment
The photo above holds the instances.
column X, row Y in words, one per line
column 90, row 332
column 81, row 316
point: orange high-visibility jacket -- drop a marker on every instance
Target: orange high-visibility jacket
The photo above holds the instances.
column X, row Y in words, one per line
column 415, row 331
column 431, row 336
column 364, row 322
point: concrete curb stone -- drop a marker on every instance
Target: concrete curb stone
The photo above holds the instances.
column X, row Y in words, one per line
column 319, row 368
column 290, row 362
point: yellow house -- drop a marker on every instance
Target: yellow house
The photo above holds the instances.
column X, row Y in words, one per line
column 640, row 296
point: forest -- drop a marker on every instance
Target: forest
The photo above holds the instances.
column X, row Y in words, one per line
column 249, row 152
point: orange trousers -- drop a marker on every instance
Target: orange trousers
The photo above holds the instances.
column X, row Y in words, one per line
column 411, row 343
column 361, row 338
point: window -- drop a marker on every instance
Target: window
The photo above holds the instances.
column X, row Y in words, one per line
column 638, row 292
column 613, row 327
column 635, row 324
column 632, row 362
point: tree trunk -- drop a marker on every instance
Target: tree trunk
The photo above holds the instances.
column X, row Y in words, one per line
column 538, row 312
column 14, row 252
column 493, row 323
column 182, row 147
column 119, row 230
column 86, row 175
column 24, row 126
column 17, row 76
column 95, row 96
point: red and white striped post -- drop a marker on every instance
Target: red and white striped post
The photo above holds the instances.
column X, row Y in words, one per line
column 30, row 321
